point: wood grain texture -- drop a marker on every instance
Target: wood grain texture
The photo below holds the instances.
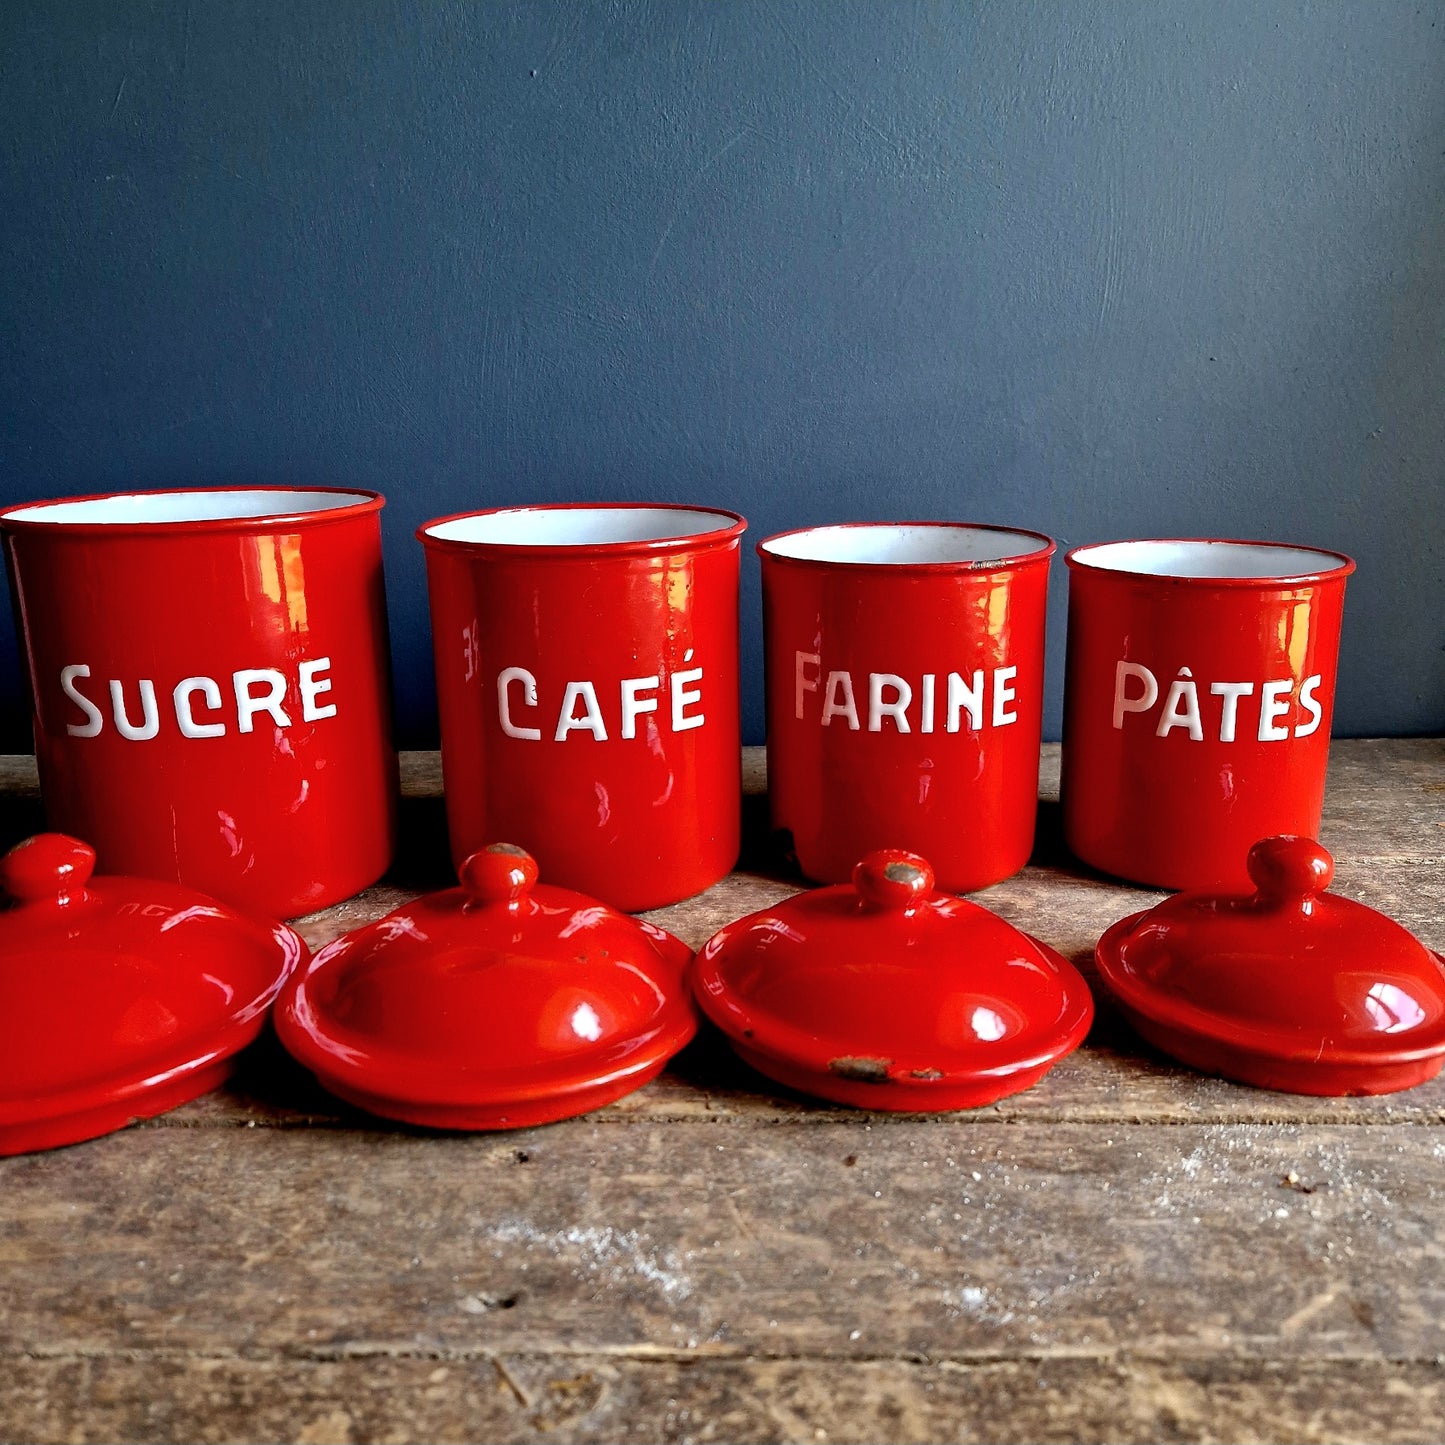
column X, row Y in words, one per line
column 937, row 1241
column 1129, row 1251
column 606, row 1397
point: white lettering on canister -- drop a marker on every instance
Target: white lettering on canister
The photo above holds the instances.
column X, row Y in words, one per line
column 1003, row 694
column 505, row 679
column 1181, row 707
column 1273, row 704
column 880, row 707
column 591, row 719
column 1146, row 699
column 186, row 717
column 1136, row 690
column 197, row 702
column 1311, row 705
column 585, row 705
column 974, row 700
column 838, row 701
column 684, row 697
column 1231, row 692
column 312, row 685
column 965, row 696
column 925, row 702
column 150, row 723
column 634, row 704
column 94, row 718
column 801, row 681
column 248, row 704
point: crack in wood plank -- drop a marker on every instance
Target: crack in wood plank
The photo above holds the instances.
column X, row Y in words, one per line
column 664, row 1355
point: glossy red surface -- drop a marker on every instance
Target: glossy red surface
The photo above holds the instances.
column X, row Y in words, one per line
column 588, row 697
column 1287, row 987
column 119, row 997
column 959, row 786
column 496, row 1005
column 247, row 657
column 885, row 994
column 1178, row 810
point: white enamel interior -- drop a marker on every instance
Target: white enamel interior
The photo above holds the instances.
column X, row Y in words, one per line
column 1207, row 559
column 887, row 544
column 208, row 506
column 579, row 526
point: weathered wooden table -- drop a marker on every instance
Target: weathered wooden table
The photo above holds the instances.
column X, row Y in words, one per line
column 1128, row 1252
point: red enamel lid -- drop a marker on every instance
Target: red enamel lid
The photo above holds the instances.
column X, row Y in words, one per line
column 885, row 994
column 120, row 998
column 496, row 1005
column 1288, row 987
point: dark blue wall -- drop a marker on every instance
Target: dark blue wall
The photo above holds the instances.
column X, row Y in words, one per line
column 1098, row 268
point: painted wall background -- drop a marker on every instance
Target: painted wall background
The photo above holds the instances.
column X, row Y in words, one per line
column 1094, row 267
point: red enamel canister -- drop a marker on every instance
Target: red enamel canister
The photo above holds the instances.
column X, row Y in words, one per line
column 211, row 686
column 587, row 683
column 1198, row 697
column 905, row 683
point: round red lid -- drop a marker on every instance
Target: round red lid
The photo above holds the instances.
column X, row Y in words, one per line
column 1286, row 988
column 120, row 998
column 496, row 1005
column 885, row 994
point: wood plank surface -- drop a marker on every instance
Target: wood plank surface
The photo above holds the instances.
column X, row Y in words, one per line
column 616, row 1397
column 1129, row 1251
column 937, row 1241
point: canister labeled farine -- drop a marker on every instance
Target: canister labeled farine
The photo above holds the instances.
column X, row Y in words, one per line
column 905, row 685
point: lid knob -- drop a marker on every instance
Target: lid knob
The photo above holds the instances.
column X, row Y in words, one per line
column 1287, row 869
column 49, row 866
column 498, row 873
column 895, row 879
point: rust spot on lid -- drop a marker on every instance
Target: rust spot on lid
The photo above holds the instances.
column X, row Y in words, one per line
column 925, row 1073
column 510, row 849
column 902, row 873
column 864, row 1071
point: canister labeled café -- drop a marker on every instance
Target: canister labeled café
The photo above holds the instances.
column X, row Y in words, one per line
column 1199, row 692
column 211, row 686
column 905, row 674
column 587, row 681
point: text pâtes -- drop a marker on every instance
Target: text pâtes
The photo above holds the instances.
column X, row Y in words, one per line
column 1265, row 705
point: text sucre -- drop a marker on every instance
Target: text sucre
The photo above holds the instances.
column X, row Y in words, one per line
column 199, row 707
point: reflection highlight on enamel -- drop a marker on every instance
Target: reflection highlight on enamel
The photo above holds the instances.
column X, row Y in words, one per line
column 585, row 1023
column 987, row 1024
column 1391, row 1009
